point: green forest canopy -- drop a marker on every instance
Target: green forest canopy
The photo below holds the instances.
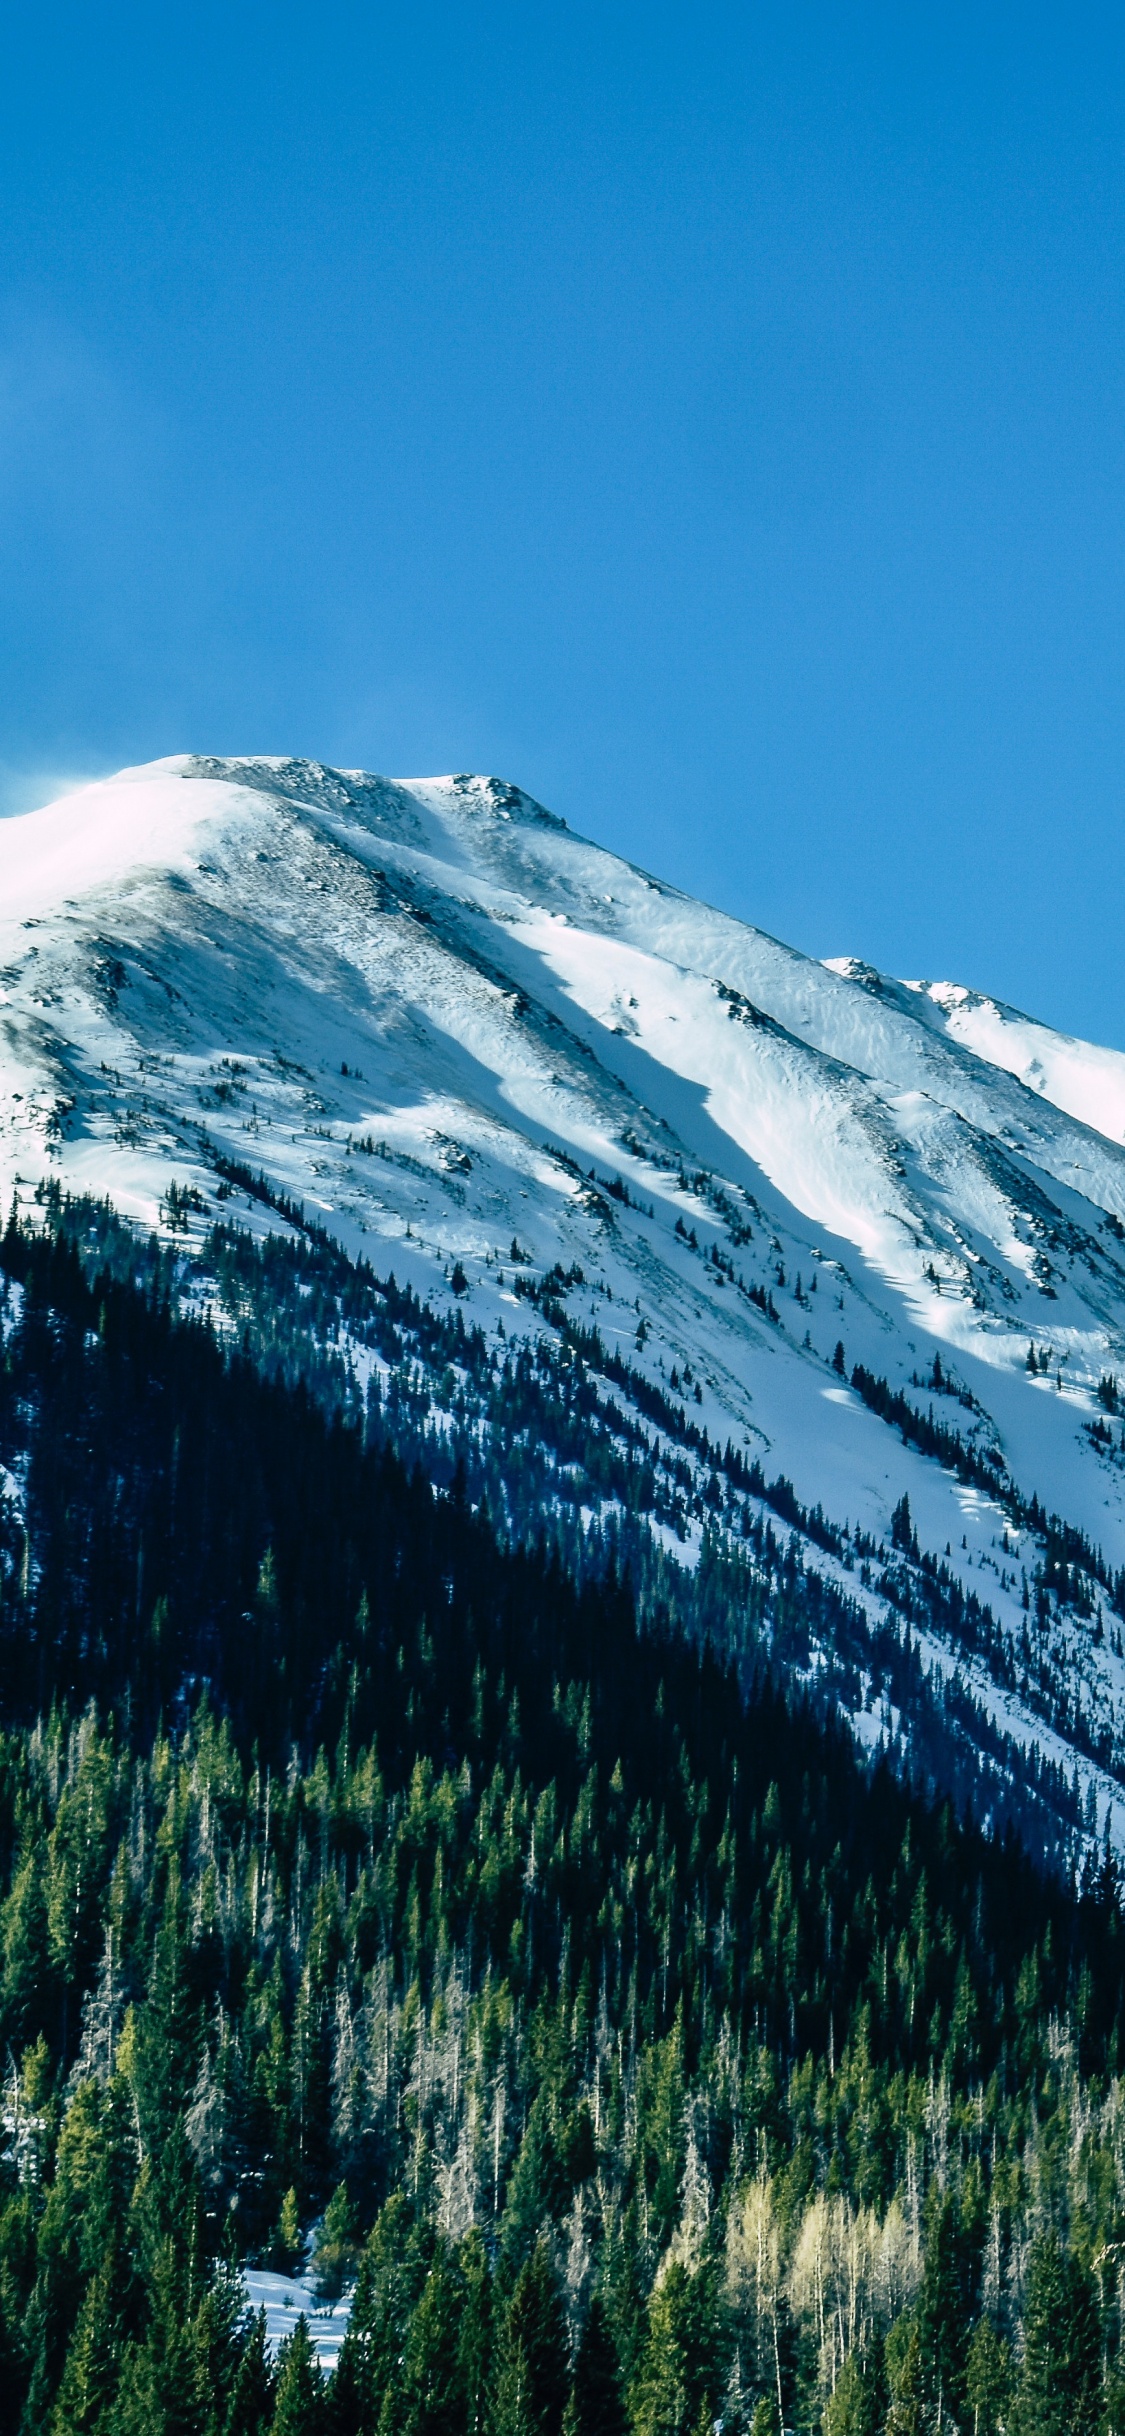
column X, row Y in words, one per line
column 649, row 2061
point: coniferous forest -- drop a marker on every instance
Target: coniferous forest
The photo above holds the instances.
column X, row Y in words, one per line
column 376, row 1887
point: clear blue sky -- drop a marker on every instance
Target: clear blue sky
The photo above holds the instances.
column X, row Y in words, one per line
column 713, row 418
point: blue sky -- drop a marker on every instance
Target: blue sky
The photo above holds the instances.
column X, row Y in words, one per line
column 714, row 419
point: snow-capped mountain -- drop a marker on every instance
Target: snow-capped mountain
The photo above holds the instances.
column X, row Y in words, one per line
column 868, row 1235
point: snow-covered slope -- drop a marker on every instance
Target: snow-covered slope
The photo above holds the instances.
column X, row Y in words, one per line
column 1087, row 1082
column 434, row 1016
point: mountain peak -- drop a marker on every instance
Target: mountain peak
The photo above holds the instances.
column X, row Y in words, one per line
column 447, row 1026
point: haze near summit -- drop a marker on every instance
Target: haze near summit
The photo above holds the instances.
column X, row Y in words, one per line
column 714, row 426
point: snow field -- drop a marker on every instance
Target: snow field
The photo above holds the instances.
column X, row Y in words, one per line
column 285, row 2298
column 426, row 1012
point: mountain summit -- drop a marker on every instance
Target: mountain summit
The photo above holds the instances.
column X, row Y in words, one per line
column 864, row 1236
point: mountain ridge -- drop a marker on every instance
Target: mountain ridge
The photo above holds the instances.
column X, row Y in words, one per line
column 489, row 1054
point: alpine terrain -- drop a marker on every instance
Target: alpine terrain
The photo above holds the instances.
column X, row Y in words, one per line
column 562, row 1581
column 798, row 1289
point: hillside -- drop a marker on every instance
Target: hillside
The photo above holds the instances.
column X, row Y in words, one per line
column 588, row 2044
column 800, row 1224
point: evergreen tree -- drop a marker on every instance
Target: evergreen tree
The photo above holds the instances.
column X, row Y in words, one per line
column 252, row 2400
column 858, row 2406
column 944, row 2305
column 475, row 2342
column 682, row 2368
column 1059, row 2392
column 538, row 2189
column 336, row 2252
column 906, row 2415
column 287, row 2238
column 392, row 2271
column 89, row 2379
column 988, row 2381
column 433, row 2396
column 13, row 2356
column 598, row 2405
column 169, row 2032
column 219, row 2341
column 299, row 2405
column 532, row 2379
column 166, row 2387
column 29, row 1988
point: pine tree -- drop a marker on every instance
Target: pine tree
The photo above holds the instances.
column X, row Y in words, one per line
column 433, row 2398
column 336, row 2253
column 93, row 2361
column 287, row 2238
column 475, row 2343
column 859, row 2405
column 169, row 2040
column 943, row 2310
column 598, row 2405
column 252, row 2401
column 392, row 2270
column 902, row 1527
column 29, row 1984
column 906, row 2415
column 682, row 2367
column 538, row 2189
column 532, row 2370
column 299, row 2404
column 219, row 2339
column 13, row 2356
column 1059, row 2391
column 988, row 2380
column 166, row 2387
